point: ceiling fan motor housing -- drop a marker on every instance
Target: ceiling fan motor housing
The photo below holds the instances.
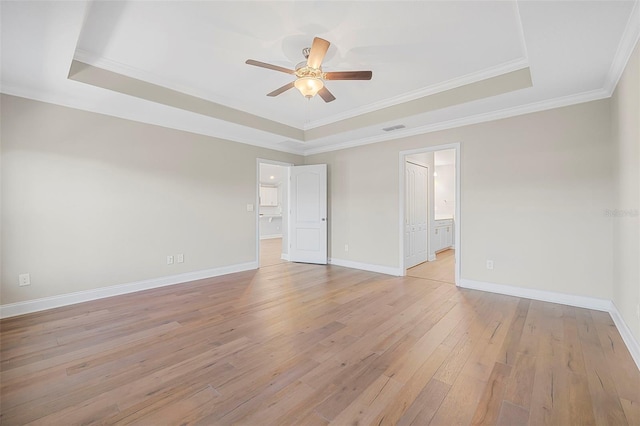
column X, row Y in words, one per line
column 303, row 70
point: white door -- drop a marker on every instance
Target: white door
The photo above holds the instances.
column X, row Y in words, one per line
column 415, row 234
column 308, row 217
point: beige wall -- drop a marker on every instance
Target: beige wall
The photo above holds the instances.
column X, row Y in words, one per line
column 625, row 118
column 90, row 201
column 534, row 189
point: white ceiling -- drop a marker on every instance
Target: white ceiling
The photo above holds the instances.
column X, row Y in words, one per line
column 573, row 50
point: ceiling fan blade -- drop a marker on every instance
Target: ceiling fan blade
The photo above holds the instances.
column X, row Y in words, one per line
column 269, row 66
column 326, row 95
column 318, row 50
column 280, row 90
column 349, row 75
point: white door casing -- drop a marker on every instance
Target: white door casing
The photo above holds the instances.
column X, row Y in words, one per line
column 308, row 214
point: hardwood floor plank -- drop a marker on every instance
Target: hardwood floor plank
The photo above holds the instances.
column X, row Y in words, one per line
column 460, row 403
column 631, row 411
column 509, row 350
column 581, row 409
column 408, row 393
column 181, row 411
column 488, row 409
column 366, row 407
column 519, row 385
column 296, row 344
column 512, row 415
column 425, row 405
column 442, row 269
column 551, row 376
column 616, row 355
column 607, row 407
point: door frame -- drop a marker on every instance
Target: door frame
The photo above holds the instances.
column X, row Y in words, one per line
column 257, row 201
column 401, row 208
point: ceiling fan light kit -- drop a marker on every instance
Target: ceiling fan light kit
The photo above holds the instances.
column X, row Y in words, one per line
column 309, row 75
column 308, row 86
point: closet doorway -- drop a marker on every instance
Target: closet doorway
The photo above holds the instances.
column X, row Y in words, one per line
column 430, row 213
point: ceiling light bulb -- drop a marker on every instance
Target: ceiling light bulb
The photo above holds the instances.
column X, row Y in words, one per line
column 272, row 177
column 308, row 86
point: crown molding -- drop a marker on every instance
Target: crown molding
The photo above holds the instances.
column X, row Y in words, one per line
column 126, row 70
column 501, row 69
column 625, row 48
column 465, row 121
column 579, row 98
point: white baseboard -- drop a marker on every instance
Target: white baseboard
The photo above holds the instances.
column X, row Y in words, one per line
column 432, row 257
column 284, row 256
column 389, row 270
column 29, row 306
column 542, row 295
column 625, row 332
column 564, row 299
column 271, row 236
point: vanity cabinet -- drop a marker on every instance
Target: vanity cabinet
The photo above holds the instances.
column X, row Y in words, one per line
column 442, row 235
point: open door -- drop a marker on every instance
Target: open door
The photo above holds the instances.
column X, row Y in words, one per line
column 308, row 216
column 416, row 214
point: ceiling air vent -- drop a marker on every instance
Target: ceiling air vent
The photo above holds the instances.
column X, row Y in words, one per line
column 392, row 128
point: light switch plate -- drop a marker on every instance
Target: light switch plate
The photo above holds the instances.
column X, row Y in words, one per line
column 249, row 207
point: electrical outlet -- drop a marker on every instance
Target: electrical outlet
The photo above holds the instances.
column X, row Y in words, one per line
column 346, row 247
column 490, row 265
column 169, row 260
column 180, row 258
column 24, row 279
column 638, row 310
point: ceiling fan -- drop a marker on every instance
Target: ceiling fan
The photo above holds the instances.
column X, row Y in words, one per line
column 309, row 75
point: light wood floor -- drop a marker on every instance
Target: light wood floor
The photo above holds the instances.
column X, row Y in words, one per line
column 271, row 252
column 308, row 345
column 441, row 269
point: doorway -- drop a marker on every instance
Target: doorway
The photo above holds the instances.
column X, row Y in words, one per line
column 272, row 212
column 437, row 207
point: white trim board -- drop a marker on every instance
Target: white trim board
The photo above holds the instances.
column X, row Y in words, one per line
column 29, row 306
column 627, row 336
column 388, row 270
column 564, row 299
column 541, row 295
